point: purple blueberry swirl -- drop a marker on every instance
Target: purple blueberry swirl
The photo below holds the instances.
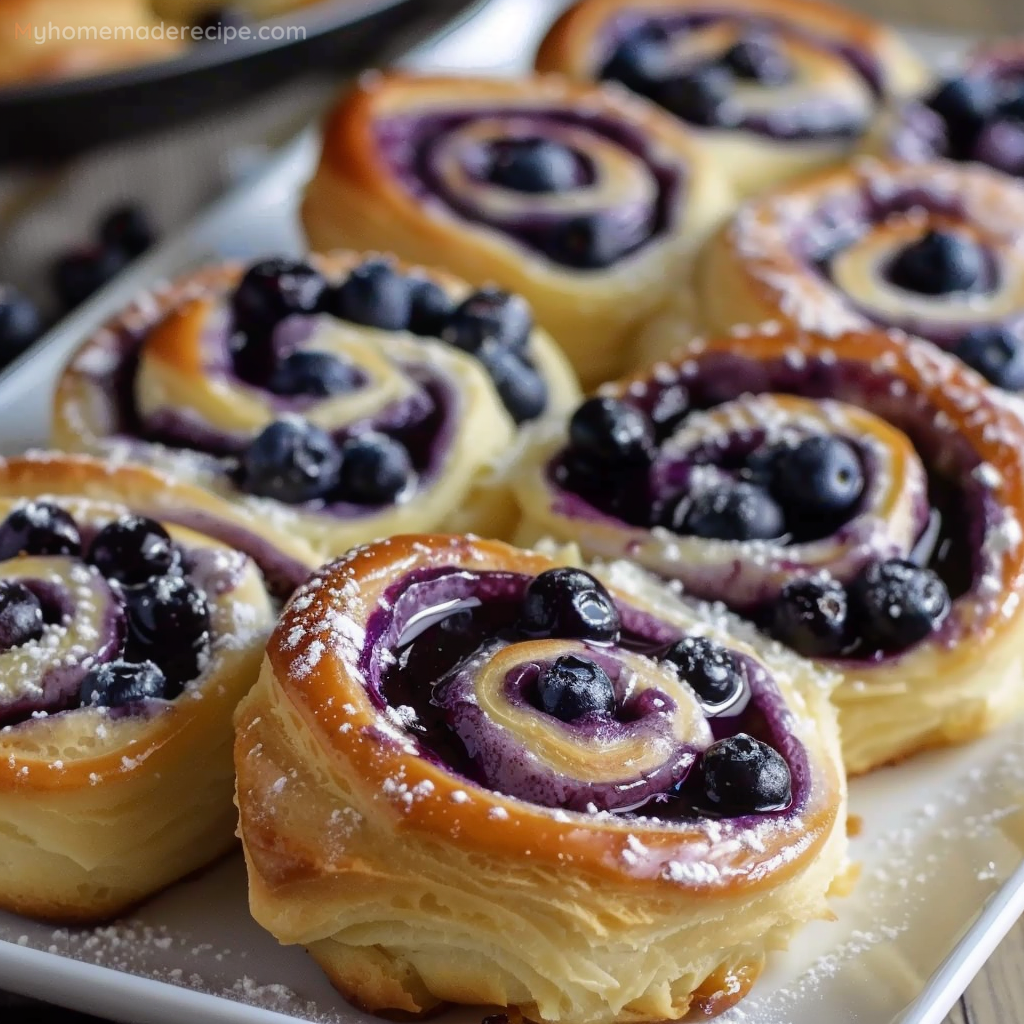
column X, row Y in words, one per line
column 577, row 186
column 546, row 689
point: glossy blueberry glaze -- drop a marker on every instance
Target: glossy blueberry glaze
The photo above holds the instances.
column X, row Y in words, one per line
column 435, row 628
column 831, row 120
column 413, row 146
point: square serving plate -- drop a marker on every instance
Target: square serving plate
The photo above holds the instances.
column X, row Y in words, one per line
column 940, row 838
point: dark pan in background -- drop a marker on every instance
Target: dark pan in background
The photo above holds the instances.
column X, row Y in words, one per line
column 56, row 120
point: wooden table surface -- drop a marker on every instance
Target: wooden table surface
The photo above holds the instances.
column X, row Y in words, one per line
column 27, row 235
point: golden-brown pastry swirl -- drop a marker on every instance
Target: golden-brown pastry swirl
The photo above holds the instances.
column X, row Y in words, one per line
column 587, row 202
column 931, row 249
column 125, row 643
column 473, row 774
column 772, row 88
column 321, row 397
column 858, row 497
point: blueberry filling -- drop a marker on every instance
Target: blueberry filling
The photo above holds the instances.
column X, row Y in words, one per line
column 541, row 155
column 435, row 630
column 291, row 461
column 743, row 486
column 153, row 637
column 375, row 469
column 642, row 57
column 489, row 316
column 374, row 294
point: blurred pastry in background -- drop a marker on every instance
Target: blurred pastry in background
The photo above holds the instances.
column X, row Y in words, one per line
column 37, row 43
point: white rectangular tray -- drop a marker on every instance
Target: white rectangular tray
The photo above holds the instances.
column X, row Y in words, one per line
column 941, row 841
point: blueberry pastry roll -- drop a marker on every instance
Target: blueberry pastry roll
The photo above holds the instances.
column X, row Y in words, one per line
column 125, row 644
column 773, row 88
column 586, row 202
column 321, row 397
column 975, row 115
column 470, row 774
column 930, row 249
column 857, row 497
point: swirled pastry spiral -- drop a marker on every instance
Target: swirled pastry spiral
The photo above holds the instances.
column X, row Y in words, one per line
column 125, row 644
column 773, row 88
column 859, row 497
column 975, row 115
column 586, row 202
column 930, row 249
column 468, row 775
column 61, row 53
column 320, row 398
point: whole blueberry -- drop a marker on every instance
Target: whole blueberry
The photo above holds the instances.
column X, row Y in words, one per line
column 939, row 263
column 522, row 390
column 758, row 58
column 132, row 549
column 274, row 289
column 569, row 603
column 82, row 272
column 965, row 104
column 430, row 306
column 169, row 624
column 533, row 165
column 291, row 461
column 119, row 683
column 640, row 60
column 611, row 432
column 21, row 615
column 20, row 323
column 128, row 229
column 376, row 295
column 996, row 353
column 810, row 616
column 375, row 469
column 39, row 528
column 589, row 241
column 712, row 671
column 820, row 475
column 743, row 775
column 700, row 96
column 317, row 374
column 895, row 604
column 729, row 511
column 572, row 687
column 489, row 315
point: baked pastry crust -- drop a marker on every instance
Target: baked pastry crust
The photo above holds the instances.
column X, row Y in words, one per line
column 824, row 43
column 24, row 59
column 413, row 886
column 357, row 199
column 189, row 10
column 103, row 808
column 761, row 267
column 920, row 412
column 170, row 330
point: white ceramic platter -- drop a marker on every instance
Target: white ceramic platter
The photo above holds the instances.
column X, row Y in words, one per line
column 941, row 838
